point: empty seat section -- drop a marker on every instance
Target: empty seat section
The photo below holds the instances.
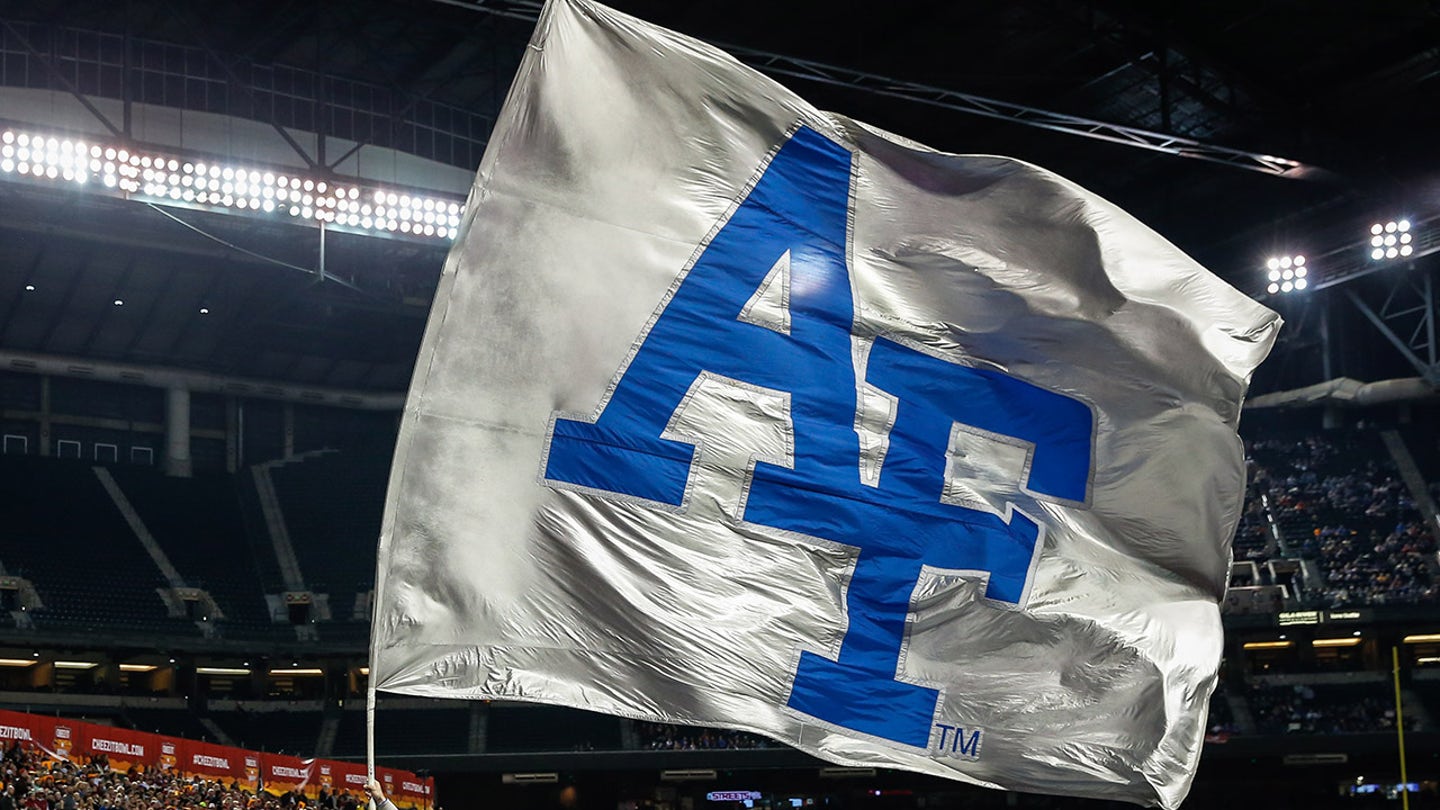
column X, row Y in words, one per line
column 63, row 532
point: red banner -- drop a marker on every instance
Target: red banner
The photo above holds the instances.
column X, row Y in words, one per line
column 284, row 774
column 406, row 788
column 211, row 761
column 170, row 754
column 349, row 777
column 60, row 736
column 124, row 750
column 23, row 728
column 342, row 777
column 252, row 770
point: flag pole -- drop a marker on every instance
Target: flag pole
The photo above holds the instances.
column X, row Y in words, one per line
column 370, row 703
column 370, row 729
column 1400, row 730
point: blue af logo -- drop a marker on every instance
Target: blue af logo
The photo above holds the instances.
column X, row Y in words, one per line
column 768, row 305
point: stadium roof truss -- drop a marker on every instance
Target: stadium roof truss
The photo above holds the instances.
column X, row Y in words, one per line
column 1154, row 107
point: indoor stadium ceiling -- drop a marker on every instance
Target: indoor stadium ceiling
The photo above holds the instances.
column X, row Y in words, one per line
column 1348, row 91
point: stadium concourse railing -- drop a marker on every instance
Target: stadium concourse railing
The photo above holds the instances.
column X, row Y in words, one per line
column 276, row 774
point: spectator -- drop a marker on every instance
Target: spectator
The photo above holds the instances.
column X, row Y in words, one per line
column 36, row 783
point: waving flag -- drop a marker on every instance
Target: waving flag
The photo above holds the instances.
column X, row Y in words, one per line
column 738, row 413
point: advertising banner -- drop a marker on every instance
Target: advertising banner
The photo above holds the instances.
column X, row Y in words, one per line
column 211, row 761
column 284, row 774
column 170, row 753
column 123, row 748
column 75, row 740
column 252, row 770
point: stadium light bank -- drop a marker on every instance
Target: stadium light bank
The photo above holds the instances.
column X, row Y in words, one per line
column 170, row 179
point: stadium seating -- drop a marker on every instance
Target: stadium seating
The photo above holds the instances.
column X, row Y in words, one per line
column 63, row 532
column 662, row 737
column 171, row 722
column 332, row 505
column 1339, row 502
column 400, row 732
column 1322, row 708
column 1336, row 497
column 529, row 729
column 280, row 729
column 1221, row 719
column 197, row 522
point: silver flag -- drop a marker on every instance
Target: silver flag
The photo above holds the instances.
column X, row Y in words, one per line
column 735, row 412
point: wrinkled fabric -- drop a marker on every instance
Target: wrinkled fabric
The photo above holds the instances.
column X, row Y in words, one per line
column 622, row 155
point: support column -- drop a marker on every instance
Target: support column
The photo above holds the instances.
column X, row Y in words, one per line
column 177, row 432
column 232, row 435
column 287, row 414
column 45, row 444
column 1331, row 418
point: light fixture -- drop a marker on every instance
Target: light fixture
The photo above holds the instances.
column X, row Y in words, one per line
column 119, row 302
column 1286, row 274
column 154, row 177
column 75, row 665
column 17, row 662
column 1391, row 240
column 137, row 667
column 303, row 671
column 1267, row 645
column 204, row 310
column 29, row 288
column 364, row 671
column 221, row 671
column 1423, row 638
column 1335, row 642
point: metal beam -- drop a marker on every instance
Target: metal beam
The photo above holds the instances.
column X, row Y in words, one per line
column 62, row 80
column 256, row 112
column 1351, row 261
column 1121, row 38
column 967, row 103
column 1407, row 321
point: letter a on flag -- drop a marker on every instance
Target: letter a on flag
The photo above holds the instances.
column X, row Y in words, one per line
column 737, row 413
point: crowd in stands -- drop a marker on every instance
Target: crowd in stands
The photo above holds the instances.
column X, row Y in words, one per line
column 1349, row 514
column 1221, row 721
column 1393, row 569
column 31, row 781
column 1300, row 709
column 660, row 737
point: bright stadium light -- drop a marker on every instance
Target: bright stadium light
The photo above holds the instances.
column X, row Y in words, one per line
column 174, row 180
column 1391, row 240
column 1286, row 274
